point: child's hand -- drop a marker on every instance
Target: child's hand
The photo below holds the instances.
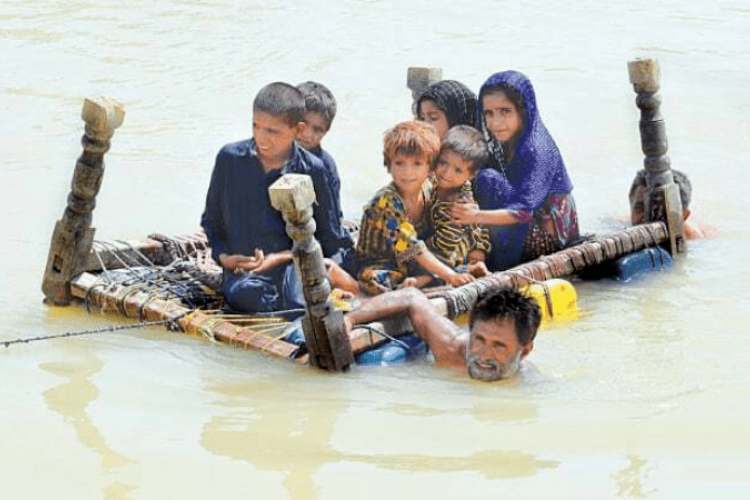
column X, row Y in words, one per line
column 464, row 213
column 238, row 262
column 478, row 269
column 458, row 279
column 249, row 264
column 268, row 262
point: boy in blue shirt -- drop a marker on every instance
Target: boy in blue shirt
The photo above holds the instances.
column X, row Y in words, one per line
column 320, row 110
column 247, row 235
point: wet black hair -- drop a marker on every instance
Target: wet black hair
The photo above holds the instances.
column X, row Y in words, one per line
column 319, row 99
column 507, row 303
column 680, row 178
column 281, row 100
column 468, row 143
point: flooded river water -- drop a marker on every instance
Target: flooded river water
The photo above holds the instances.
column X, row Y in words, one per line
column 645, row 396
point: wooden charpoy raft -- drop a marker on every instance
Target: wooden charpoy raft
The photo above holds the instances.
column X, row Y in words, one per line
column 263, row 333
column 80, row 268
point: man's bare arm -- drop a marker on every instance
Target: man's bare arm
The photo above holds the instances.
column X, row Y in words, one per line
column 443, row 337
column 380, row 306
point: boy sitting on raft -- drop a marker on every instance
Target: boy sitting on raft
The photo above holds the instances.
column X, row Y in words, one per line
column 391, row 248
column 246, row 234
column 637, row 204
column 320, row 110
column 462, row 153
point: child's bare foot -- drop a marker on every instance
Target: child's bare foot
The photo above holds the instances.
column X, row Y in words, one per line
column 478, row 269
column 416, row 281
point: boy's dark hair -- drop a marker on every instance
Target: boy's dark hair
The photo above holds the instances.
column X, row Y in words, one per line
column 507, row 303
column 680, row 178
column 319, row 98
column 281, row 100
column 468, row 143
column 411, row 138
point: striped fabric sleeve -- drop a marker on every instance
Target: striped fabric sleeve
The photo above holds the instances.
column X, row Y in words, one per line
column 480, row 239
column 479, row 236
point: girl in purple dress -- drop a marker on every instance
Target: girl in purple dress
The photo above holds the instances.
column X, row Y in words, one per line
column 524, row 196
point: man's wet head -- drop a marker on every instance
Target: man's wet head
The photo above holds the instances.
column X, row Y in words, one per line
column 502, row 326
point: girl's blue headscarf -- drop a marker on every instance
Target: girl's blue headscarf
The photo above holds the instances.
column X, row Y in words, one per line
column 523, row 183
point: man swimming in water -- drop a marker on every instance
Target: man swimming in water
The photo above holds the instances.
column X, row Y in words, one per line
column 502, row 327
column 691, row 230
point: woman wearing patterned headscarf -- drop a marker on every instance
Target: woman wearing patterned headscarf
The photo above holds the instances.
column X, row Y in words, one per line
column 445, row 104
column 525, row 198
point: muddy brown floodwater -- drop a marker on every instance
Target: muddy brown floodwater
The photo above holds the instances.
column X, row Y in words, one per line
column 646, row 396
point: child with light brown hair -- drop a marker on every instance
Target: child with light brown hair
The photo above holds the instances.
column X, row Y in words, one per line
column 391, row 248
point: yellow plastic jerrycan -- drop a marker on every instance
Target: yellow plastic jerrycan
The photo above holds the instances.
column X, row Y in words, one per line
column 557, row 299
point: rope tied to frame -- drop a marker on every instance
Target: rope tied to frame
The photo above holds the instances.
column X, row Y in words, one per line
column 589, row 253
column 383, row 333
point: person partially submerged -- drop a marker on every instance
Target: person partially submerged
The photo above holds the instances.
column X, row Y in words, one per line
column 637, row 194
column 502, row 327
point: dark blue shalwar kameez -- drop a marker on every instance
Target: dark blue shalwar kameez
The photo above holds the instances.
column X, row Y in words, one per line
column 239, row 218
column 330, row 165
column 346, row 257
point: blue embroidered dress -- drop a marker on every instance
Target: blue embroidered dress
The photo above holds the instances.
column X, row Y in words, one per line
column 534, row 184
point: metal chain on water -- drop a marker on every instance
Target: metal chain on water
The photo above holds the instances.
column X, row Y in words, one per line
column 106, row 329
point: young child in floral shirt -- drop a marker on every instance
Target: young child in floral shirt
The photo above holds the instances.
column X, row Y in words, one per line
column 391, row 248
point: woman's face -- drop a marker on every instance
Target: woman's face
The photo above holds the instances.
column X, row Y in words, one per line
column 501, row 116
column 430, row 113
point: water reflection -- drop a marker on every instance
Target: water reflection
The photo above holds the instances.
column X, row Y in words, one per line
column 489, row 408
column 491, row 464
column 289, row 434
column 667, row 341
column 629, row 480
column 491, row 413
column 292, row 434
column 70, row 399
column 495, row 464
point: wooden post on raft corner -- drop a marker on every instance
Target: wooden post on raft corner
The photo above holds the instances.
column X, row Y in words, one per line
column 418, row 79
column 325, row 334
column 73, row 235
column 662, row 200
